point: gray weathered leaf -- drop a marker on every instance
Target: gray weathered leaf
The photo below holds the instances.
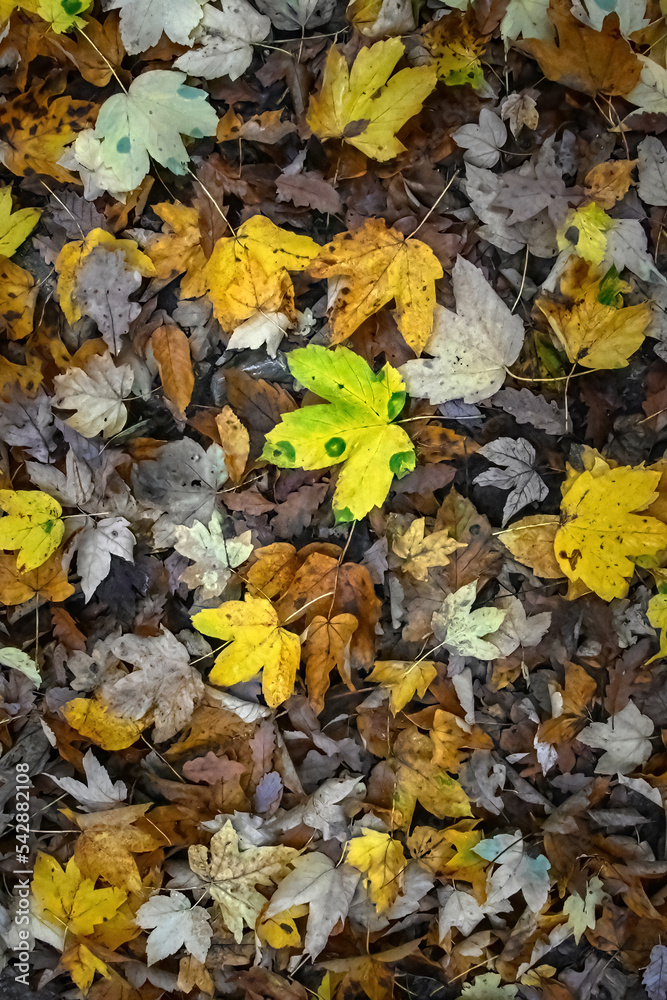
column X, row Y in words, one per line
column 482, row 143
column 27, row 422
column 96, row 394
column 213, row 555
column 528, row 408
column 292, row 15
column 225, row 40
column 652, row 167
column 655, row 973
column 517, row 473
column 102, row 289
column 97, row 542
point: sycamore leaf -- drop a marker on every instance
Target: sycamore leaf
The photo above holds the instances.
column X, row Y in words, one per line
column 18, row 295
column 162, row 684
column 366, row 105
column 381, row 861
column 143, row 21
column 657, row 617
column 420, row 552
column 248, row 272
column 100, row 792
column 528, row 18
column 471, row 348
column 327, row 648
column 18, row 660
column 327, row 888
column 32, row 525
column 48, row 581
column 483, row 142
column 148, row 121
column 404, row 680
column 15, row 227
column 591, row 323
column 231, row 875
column 515, row 871
column 225, row 38
column 96, row 395
column 375, row 265
column 487, row 987
column 256, row 641
column 624, row 737
column 214, row 556
column 174, row 924
column 584, row 58
column 72, row 259
column 583, row 233
column 93, row 719
column 461, row 630
column 356, row 428
column 581, row 911
column 96, row 544
column 517, row 474
column 600, row 535
column 61, row 15
column 66, row 905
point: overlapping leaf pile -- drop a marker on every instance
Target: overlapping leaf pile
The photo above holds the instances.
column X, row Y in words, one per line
column 333, row 551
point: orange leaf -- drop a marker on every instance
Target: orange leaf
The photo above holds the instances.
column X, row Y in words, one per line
column 172, row 353
column 326, row 648
column 235, row 442
column 48, row 581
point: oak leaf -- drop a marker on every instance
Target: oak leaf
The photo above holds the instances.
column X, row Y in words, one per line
column 365, row 105
column 373, row 266
column 231, row 876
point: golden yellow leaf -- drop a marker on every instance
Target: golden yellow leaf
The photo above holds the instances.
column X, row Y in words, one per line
column 362, row 105
column 600, row 532
column 27, row 376
column 657, row 617
column 420, row 778
column 92, row 718
column 451, row 735
column 421, row 551
column 18, row 295
column 531, row 542
column 32, row 525
column 177, row 250
column 48, row 581
column 280, row 931
column 382, row 862
column 248, row 273
column 404, row 679
column 172, row 352
column 73, row 254
column 72, row 908
column 256, row 641
column 590, row 321
column 583, row 233
column 108, row 842
column 15, row 227
column 376, row 265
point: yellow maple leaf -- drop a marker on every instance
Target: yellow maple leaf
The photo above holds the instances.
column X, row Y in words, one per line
column 280, row 930
column 583, row 233
column 92, row 718
column 66, row 906
column 377, row 265
column 591, row 322
column 451, row 735
column 421, row 778
column 362, row 105
column 15, row 227
column 381, row 860
column 256, row 642
column 421, row 551
column 248, row 272
column 657, row 617
column 108, row 842
column 177, row 250
column 403, row 679
column 600, row 533
column 32, row 526
column 72, row 256
column 18, row 295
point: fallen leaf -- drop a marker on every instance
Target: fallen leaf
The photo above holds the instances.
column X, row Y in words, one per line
column 95, row 393
column 326, row 648
column 472, row 348
column 225, row 38
column 214, row 556
column 403, row 679
column 174, row 924
column 32, row 525
column 624, row 738
column 172, row 353
column 356, row 428
column 382, row 863
column 365, row 105
column 516, row 457
column 15, row 227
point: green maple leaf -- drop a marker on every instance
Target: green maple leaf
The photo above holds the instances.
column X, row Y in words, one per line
column 355, row 428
